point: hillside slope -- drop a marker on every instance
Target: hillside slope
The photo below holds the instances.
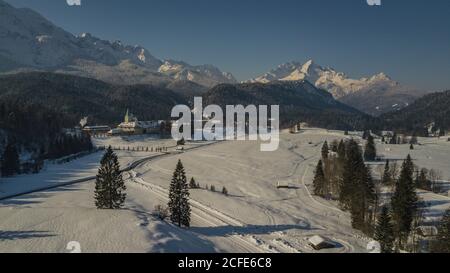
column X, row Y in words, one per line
column 432, row 108
column 299, row 101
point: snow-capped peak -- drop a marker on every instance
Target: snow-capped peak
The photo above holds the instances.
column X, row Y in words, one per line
column 207, row 75
column 28, row 40
column 337, row 83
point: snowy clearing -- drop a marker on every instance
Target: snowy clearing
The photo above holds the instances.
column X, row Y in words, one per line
column 254, row 217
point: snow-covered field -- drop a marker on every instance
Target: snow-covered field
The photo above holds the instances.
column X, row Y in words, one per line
column 87, row 166
column 254, row 217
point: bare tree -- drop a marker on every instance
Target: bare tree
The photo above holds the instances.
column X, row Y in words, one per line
column 435, row 176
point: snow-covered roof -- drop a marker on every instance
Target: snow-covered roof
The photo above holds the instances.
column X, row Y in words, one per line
column 317, row 240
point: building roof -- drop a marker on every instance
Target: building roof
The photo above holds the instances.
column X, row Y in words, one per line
column 98, row 127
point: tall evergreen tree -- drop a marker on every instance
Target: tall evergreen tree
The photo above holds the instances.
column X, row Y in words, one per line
column 334, row 146
column 341, row 150
column 325, row 150
column 422, row 181
column 393, row 139
column 404, row 201
column 370, row 152
column 180, row 211
column 10, row 163
column 366, row 135
column 109, row 185
column 386, row 179
column 384, row 231
column 319, row 182
column 192, row 183
column 442, row 242
column 357, row 188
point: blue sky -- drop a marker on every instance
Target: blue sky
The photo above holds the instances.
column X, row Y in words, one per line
column 407, row 39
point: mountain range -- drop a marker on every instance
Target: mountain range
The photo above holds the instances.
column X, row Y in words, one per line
column 374, row 95
column 28, row 41
column 74, row 97
column 300, row 101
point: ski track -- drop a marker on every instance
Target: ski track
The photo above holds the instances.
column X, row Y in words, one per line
column 250, row 243
column 208, row 216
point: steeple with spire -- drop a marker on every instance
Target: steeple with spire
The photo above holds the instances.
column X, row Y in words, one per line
column 127, row 117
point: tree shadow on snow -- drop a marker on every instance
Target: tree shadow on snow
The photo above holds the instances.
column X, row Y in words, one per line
column 33, row 197
column 244, row 230
column 16, row 235
column 169, row 238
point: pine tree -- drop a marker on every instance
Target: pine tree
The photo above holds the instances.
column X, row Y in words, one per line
column 319, row 182
column 10, row 163
column 334, row 146
column 384, row 231
column 109, row 185
column 442, row 242
column 325, row 150
column 404, row 201
column 351, row 164
column 422, row 181
column 192, row 183
column 386, row 180
column 341, row 150
column 180, row 211
column 357, row 189
column 366, row 135
column 224, row 191
column 370, row 152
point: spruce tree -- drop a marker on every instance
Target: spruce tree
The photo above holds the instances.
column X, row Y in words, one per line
column 442, row 242
column 366, row 134
column 386, row 179
column 10, row 164
column 224, row 191
column 319, row 182
column 109, row 184
column 180, row 211
column 422, row 181
column 325, row 150
column 357, row 189
column 351, row 164
column 334, row 146
column 341, row 150
column 192, row 183
column 384, row 231
column 370, row 152
column 393, row 139
column 404, row 201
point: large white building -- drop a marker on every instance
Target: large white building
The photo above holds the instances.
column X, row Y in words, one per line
column 132, row 126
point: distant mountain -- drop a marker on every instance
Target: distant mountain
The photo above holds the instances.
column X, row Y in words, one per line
column 299, row 101
column 432, row 109
column 374, row 95
column 28, row 41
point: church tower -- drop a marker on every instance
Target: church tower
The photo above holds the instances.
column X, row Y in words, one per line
column 127, row 117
